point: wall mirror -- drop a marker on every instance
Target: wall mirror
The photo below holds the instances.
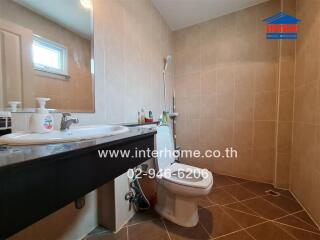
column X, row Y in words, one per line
column 46, row 50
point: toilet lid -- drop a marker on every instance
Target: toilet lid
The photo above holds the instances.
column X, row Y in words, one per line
column 165, row 147
column 186, row 175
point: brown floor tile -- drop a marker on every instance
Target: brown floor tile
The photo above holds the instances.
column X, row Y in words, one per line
column 264, row 208
column 239, row 192
column 257, row 188
column 297, row 222
column 269, row 231
column 243, row 219
column 285, row 203
column 305, row 217
column 238, row 180
column 221, row 181
column 300, row 234
column 107, row 235
column 154, row 229
column 285, row 193
column 242, row 235
column 204, row 202
column 240, row 207
column 144, row 216
column 182, row 233
column 219, row 196
column 217, row 222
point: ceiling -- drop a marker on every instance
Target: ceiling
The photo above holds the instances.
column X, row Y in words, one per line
column 183, row 13
column 70, row 14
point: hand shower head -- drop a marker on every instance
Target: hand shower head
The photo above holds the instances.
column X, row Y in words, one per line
column 167, row 60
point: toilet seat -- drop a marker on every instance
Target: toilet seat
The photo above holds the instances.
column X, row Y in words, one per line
column 189, row 176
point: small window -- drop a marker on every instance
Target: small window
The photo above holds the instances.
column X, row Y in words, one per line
column 49, row 56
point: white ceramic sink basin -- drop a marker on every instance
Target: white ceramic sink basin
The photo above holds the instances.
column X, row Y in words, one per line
column 73, row 134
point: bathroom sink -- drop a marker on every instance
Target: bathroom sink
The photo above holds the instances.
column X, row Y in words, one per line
column 70, row 135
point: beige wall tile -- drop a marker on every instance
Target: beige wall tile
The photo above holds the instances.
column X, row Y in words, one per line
column 266, row 77
column 264, row 134
column 283, row 170
column 225, row 80
column 286, row 106
column 304, row 168
column 208, row 83
column 284, row 137
column 243, row 134
column 263, row 164
column 265, row 106
column 244, row 104
column 238, row 81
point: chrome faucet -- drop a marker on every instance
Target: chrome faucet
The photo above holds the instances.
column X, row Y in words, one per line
column 67, row 120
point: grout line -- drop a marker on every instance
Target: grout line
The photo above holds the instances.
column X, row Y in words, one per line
column 310, row 216
column 127, row 232
column 287, row 215
column 314, row 226
column 275, row 170
column 259, row 216
column 275, row 220
column 289, row 233
column 233, row 184
column 293, row 100
column 244, row 178
column 241, row 184
column 205, row 229
column 275, row 205
column 165, row 226
column 227, row 234
column 250, row 234
column 149, row 220
column 302, row 229
column 246, row 228
column 242, row 228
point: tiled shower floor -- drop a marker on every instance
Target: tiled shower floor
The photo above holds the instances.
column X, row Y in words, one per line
column 236, row 209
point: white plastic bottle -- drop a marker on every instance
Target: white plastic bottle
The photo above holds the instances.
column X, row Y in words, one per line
column 41, row 121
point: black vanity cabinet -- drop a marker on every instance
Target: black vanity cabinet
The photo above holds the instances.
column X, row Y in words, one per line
column 36, row 181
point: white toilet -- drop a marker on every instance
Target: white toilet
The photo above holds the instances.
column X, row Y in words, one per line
column 178, row 185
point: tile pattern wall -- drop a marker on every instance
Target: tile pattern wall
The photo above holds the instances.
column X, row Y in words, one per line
column 226, row 80
column 135, row 39
column 305, row 166
column 285, row 104
column 131, row 39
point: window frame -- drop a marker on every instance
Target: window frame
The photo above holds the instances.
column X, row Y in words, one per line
column 63, row 51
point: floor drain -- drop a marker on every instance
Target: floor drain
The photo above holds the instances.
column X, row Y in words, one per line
column 273, row 193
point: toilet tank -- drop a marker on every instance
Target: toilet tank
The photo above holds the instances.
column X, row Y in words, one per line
column 165, row 147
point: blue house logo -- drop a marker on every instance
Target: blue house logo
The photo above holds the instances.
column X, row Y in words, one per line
column 282, row 26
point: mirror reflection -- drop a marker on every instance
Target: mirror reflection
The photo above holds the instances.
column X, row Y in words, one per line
column 46, row 51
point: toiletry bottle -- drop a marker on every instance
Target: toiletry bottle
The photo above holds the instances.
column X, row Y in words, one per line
column 13, row 105
column 142, row 116
column 41, row 121
column 139, row 118
column 151, row 116
column 165, row 118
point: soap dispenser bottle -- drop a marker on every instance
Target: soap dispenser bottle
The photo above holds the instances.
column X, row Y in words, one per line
column 41, row 121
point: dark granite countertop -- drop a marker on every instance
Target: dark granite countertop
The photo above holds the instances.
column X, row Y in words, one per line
column 11, row 155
